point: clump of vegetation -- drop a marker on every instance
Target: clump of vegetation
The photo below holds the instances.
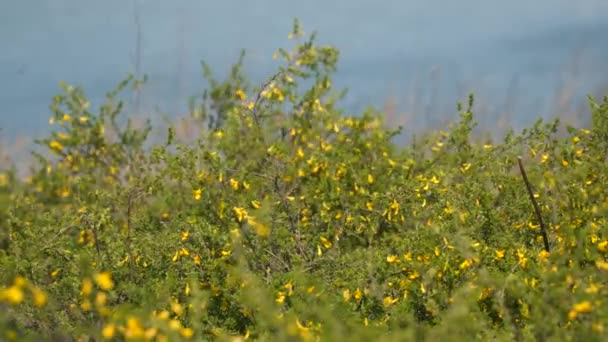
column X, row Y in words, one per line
column 289, row 219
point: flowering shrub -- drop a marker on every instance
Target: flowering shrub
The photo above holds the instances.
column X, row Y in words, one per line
column 289, row 219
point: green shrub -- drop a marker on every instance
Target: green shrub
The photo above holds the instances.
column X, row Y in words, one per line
column 288, row 219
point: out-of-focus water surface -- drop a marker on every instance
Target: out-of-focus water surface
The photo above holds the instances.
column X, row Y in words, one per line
column 420, row 56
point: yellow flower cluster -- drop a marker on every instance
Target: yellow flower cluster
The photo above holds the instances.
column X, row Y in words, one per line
column 16, row 293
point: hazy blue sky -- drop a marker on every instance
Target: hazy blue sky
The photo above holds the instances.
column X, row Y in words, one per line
column 428, row 54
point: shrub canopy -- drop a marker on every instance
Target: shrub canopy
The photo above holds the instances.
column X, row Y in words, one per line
column 286, row 218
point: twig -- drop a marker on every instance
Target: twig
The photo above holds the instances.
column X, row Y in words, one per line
column 254, row 110
column 543, row 229
column 95, row 229
column 292, row 219
column 285, row 264
column 128, row 239
column 265, row 85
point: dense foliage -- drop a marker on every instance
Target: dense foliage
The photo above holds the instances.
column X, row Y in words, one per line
column 289, row 219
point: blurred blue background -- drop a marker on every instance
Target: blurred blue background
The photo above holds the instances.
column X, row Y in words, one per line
column 415, row 59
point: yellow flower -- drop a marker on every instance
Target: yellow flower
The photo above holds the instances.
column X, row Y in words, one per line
column 317, row 106
column 499, row 254
column 407, row 256
column 289, row 287
column 280, row 297
column 85, row 305
column 164, row 315
column 369, row 205
column 301, row 327
column 39, row 297
column 346, row 295
column 240, row 94
column 336, row 128
column 186, row 333
column 256, row 204
column 326, row 243
column 240, row 213
column 300, row 152
column 592, row 289
column 133, row 329
column 358, row 294
column 56, row 145
column 13, row 295
column 150, row 333
column 175, row 324
column 20, row 281
column 391, row 259
column 196, row 193
column 388, row 301
column 184, row 235
column 544, row 158
column 104, row 280
column 594, row 238
column 64, row 193
column 583, row 307
column 108, row 331
column 234, row 184
column 465, row 264
column 177, row 308
column 579, row 308
column 100, row 299
column 87, row 287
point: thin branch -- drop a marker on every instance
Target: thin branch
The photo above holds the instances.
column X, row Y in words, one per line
column 543, row 229
column 285, row 264
column 291, row 217
column 258, row 99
